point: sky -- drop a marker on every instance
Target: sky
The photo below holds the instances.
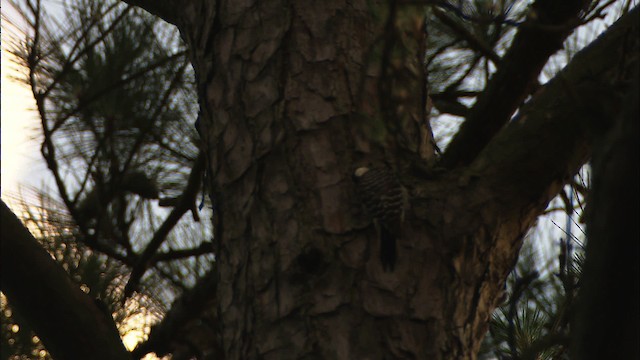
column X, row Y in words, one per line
column 19, row 148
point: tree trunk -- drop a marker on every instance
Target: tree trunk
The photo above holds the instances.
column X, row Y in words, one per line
column 289, row 99
column 290, row 96
column 606, row 320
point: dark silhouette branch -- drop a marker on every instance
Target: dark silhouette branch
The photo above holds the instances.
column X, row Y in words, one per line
column 452, row 107
column 474, row 42
column 449, row 101
column 114, row 86
column 71, row 60
column 605, row 324
column 69, row 322
column 519, row 288
column 164, row 335
column 167, row 10
column 514, row 79
column 543, row 148
column 164, row 102
column 461, row 13
column 204, row 248
column 529, row 161
column 48, row 149
column 186, row 203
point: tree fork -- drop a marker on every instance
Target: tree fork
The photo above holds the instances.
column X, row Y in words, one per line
column 279, row 85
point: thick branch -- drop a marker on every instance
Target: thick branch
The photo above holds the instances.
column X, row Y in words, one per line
column 164, row 335
column 513, row 81
column 513, row 179
column 167, row 10
column 69, row 323
column 606, row 321
column 552, row 136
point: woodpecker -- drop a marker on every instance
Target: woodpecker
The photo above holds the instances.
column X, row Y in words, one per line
column 384, row 198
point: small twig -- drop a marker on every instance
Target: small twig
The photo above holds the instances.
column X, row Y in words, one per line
column 116, row 85
column 188, row 198
column 474, row 42
column 71, row 61
column 205, row 247
column 518, row 289
column 499, row 19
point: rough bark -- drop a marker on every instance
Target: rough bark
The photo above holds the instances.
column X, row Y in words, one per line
column 289, row 107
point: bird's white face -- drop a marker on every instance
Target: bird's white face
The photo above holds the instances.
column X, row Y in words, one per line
column 361, row 171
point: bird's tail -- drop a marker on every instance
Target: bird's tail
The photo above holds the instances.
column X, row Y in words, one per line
column 387, row 249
